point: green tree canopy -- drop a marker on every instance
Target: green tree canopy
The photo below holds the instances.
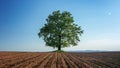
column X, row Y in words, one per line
column 60, row 30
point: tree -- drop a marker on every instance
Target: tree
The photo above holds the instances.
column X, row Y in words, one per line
column 60, row 30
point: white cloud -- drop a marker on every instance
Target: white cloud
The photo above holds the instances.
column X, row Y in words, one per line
column 100, row 44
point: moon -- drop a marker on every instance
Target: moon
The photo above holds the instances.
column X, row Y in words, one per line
column 109, row 13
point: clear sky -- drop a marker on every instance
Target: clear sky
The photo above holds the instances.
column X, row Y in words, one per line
column 20, row 21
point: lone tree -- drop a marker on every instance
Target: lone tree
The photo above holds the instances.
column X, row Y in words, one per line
column 60, row 30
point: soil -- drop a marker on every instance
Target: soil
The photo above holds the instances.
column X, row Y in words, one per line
column 59, row 60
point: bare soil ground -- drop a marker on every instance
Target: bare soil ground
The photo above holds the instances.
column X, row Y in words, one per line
column 59, row 60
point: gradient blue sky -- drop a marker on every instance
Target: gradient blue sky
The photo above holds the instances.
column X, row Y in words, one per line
column 20, row 21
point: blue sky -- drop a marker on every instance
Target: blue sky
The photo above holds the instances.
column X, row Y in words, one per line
column 20, row 21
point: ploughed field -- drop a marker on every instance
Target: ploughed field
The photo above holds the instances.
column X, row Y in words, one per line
column 59, row 60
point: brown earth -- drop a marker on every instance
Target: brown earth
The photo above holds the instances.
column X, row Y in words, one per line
column 59, row 60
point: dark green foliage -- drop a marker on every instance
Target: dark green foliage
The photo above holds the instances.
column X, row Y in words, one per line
column 60, row 30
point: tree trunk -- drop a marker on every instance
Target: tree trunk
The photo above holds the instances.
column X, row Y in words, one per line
column 59, row 45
